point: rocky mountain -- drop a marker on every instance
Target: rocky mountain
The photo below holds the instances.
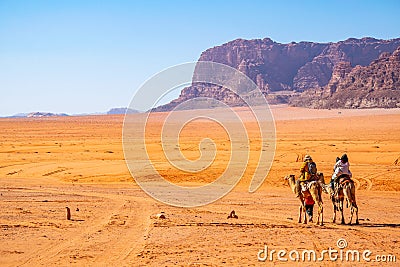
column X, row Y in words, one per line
column 375, row 85
column 283, row 71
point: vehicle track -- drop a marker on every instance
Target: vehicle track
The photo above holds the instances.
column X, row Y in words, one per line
column 125, row 228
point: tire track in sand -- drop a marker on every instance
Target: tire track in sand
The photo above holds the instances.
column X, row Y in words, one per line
column 125, row 228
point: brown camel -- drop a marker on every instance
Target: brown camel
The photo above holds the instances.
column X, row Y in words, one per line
column 346, row 190
column 314, row 189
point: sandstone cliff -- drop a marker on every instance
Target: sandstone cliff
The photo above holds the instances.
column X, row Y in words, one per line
column 375, row 85
column 293, row 68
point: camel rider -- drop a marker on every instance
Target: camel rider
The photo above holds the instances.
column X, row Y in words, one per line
column 341, row 168
column 307, row 172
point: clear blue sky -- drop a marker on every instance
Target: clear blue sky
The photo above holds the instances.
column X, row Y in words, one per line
column 87, row 56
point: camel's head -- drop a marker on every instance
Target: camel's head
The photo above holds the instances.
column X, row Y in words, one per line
column 290, row 176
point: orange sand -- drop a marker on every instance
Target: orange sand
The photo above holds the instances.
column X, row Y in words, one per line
column 47, row 164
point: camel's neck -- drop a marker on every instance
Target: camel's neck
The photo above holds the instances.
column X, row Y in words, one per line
column 292, row 183
column 321, row 178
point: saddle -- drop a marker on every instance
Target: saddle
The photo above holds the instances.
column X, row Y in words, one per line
column 340, row 182
column 344, row 179
column 305, row 185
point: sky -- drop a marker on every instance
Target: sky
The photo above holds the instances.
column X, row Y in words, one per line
column 89, row 56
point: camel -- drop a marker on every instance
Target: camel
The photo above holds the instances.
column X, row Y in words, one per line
column 314, row 190
column 346, row 190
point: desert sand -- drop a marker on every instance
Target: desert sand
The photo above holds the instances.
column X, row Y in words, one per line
column 48, row 164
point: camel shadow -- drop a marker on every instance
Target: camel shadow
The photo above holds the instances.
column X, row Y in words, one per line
column 377, row 225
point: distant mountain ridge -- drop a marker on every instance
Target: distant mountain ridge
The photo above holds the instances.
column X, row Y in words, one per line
column 45, row 114
column 292, row 68
column 113, row 111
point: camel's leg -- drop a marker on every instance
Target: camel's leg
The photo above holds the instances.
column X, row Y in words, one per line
column 356, row 211
column 334, row 214
column 320, row 219
column 320, row 213
column 351, row 213
column 354, row 203
column 316, row 192
column 300, row 209
column 341, row 203
column 349, row 202
column 349, row 193
column 334, row 210
column 320, row 207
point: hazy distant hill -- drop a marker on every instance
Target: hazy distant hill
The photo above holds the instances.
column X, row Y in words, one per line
column 115, row 111
column 44, row 114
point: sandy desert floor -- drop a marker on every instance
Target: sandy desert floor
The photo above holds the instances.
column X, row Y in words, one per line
column 48, row 164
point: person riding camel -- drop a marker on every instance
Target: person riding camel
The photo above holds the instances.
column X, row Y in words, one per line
column 341, row 169
column 307, row 172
